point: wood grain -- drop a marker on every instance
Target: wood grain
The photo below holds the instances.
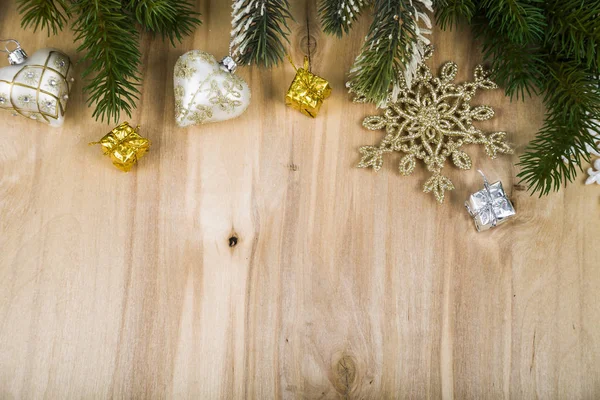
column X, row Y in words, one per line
column 342, row 283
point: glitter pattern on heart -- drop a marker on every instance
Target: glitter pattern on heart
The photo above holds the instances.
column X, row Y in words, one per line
column 206, row 92
column 39, row 88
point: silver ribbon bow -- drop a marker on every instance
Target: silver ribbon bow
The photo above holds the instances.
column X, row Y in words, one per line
column 493, row 198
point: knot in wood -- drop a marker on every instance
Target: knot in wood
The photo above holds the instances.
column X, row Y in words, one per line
column 345, row 372
column 308, row 44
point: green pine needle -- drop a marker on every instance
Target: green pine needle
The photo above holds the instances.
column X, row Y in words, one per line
column 518, row 67
column 259, row 30
column 573, row 109
column 386, row 51
column 109, row 41
column 523, row 20
column 452, row 12
column 545, row 47
column 337, row 16
column 573, row 30
column 171, row 19
column 49, row 15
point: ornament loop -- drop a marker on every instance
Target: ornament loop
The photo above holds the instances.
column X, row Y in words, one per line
column 228, row 64
column 307, row 66
column 15, row 56
column 6, row 50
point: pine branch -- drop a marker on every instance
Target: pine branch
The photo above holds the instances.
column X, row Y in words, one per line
column 518, row 67
column 50, row 15
column 573, row 30
column 523, row 21
column 259, row 29
column 338, row 15
column 171, row 19
column 451, row 12
column 109, row 42
column 393, row 47
column 573, row 108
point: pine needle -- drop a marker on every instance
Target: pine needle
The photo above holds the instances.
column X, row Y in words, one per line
column 49, row 15
column 259, row 30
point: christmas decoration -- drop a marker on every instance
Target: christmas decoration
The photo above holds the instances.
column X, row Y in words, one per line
column 490, row 206
column 206, row 90
column 307, row 91
column 259, row 30
column 592, row 150
column 547, row 48
column 124, row 145
column 394, row 45
column 37, row 87
column 431, row 122
column 108, row 36
column 393, row 48
column 594, row 173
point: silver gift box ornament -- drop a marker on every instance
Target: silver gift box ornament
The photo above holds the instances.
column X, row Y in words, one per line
column 489, row 207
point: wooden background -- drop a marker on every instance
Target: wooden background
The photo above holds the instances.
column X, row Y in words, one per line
column 344, row 283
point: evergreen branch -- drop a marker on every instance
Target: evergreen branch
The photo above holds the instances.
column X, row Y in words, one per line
column 259, row 29
column 573, row 30
column 573, row 108
column 518, row 67
column 393, row 47
column 523, row 21
column 451, row 12
column 338, row 15
column 50, row 15
column 109, row 42
column 172, row 19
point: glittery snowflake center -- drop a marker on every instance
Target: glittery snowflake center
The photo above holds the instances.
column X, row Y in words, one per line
column 431, row 121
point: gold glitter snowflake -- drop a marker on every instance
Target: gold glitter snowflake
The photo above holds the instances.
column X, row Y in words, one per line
column 431, row 121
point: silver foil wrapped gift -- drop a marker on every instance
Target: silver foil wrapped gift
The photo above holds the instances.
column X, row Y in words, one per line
column 490, row 206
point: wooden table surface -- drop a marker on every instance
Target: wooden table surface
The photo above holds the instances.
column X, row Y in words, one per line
column 344, row 283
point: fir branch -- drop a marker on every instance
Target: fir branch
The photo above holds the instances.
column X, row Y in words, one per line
column 172, row 19
column 338, row 15
column 523, row 21
column 50, row 15
column 109, row 42
column 518, row 67
column 393, row 47
column 573, row 30
column 573, row 109
column 451, row 12
column 259, row 29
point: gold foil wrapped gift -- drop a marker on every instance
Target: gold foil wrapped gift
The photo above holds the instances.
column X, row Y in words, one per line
column 124, row 145
column 307, row 91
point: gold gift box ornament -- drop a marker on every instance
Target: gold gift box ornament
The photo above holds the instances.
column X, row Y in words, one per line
column 124, row 145
column 307, row 91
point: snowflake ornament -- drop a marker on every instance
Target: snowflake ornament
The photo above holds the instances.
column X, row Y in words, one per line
column 594, row 174
column 431, row 121
column 573, row 155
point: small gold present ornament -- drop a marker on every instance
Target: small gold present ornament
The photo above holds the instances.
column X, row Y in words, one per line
column 307, row 91
column 124, row 145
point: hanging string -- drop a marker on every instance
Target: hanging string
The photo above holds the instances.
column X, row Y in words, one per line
column 308, row 45
column 6, row 50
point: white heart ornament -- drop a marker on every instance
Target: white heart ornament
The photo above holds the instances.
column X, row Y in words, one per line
column 205, row 91
column 39, row 87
